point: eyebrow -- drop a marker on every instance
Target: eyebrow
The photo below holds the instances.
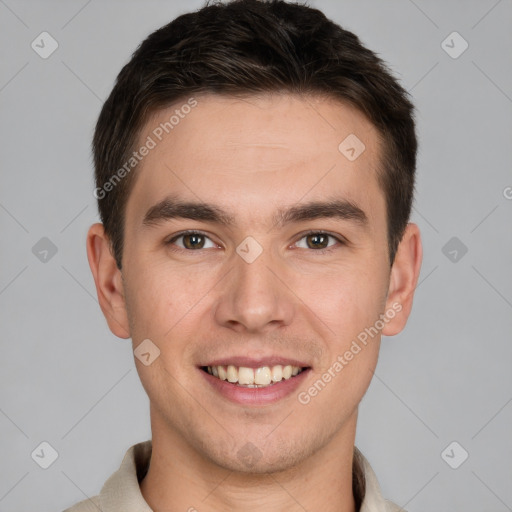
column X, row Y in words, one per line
column 174, row 208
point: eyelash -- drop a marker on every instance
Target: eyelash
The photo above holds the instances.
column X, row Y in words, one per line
column 340, row 240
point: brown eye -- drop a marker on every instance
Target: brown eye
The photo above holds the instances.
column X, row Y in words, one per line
column 191, row 241
column 194, row 241
column 318, row 240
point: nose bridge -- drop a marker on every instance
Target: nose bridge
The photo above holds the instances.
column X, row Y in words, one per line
column 253, row 297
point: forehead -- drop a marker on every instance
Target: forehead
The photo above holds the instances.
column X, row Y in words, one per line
column 252, row 155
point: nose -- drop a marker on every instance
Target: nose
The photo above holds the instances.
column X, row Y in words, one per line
column 255, row 296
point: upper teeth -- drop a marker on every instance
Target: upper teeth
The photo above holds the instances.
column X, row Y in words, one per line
column 253, row 377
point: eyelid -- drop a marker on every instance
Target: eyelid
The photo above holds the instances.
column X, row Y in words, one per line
column 185, row 232
column 340, row 239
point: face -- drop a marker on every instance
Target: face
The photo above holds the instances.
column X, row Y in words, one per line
column 252, row 241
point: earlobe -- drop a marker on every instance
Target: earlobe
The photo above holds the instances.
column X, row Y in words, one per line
column 108, row 281
column 403, row 280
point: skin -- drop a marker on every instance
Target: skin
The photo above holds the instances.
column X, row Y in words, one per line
column 251, row 156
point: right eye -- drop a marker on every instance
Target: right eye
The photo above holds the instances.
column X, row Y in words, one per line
column 191, row 241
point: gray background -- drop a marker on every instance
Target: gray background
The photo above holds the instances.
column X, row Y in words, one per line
column 65, row 379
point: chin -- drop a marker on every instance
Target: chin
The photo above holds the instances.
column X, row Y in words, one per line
column 265, row 456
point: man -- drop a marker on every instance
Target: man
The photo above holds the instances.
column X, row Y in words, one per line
column 254, row 175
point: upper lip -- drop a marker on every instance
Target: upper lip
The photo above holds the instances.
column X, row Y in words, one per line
column 256, row 362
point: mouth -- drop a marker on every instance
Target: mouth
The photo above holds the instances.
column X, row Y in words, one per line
column 248, row 377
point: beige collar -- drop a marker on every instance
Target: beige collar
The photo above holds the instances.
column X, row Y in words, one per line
column 121, row 492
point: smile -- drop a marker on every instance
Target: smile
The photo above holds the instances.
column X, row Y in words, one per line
column 261, row 377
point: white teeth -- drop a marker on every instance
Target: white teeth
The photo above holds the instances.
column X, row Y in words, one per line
column 254, row 378
column 232, row 374
column 262, row 376
column 245, row 375
column 223, row 374
column 277, row 373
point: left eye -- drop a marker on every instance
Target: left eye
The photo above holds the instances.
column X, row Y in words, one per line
column 317, row 240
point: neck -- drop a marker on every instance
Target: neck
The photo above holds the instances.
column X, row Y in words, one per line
column 181, row 478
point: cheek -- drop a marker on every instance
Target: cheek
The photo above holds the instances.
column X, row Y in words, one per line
column 337, row 388
column 346, row 300
column 158, row 296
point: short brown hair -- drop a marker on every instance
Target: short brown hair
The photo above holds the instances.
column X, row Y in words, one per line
column 251, row 47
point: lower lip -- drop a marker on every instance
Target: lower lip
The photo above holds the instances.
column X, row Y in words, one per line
column 255, row 396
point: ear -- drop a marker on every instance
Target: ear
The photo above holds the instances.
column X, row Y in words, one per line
column 108, row 280
column 403, row 280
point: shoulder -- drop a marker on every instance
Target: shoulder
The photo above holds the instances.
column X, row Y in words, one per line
column 89, row 505
column 393, row 507
column 372, row 499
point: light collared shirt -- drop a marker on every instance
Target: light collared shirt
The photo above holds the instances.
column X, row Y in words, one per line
column 121, row 492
